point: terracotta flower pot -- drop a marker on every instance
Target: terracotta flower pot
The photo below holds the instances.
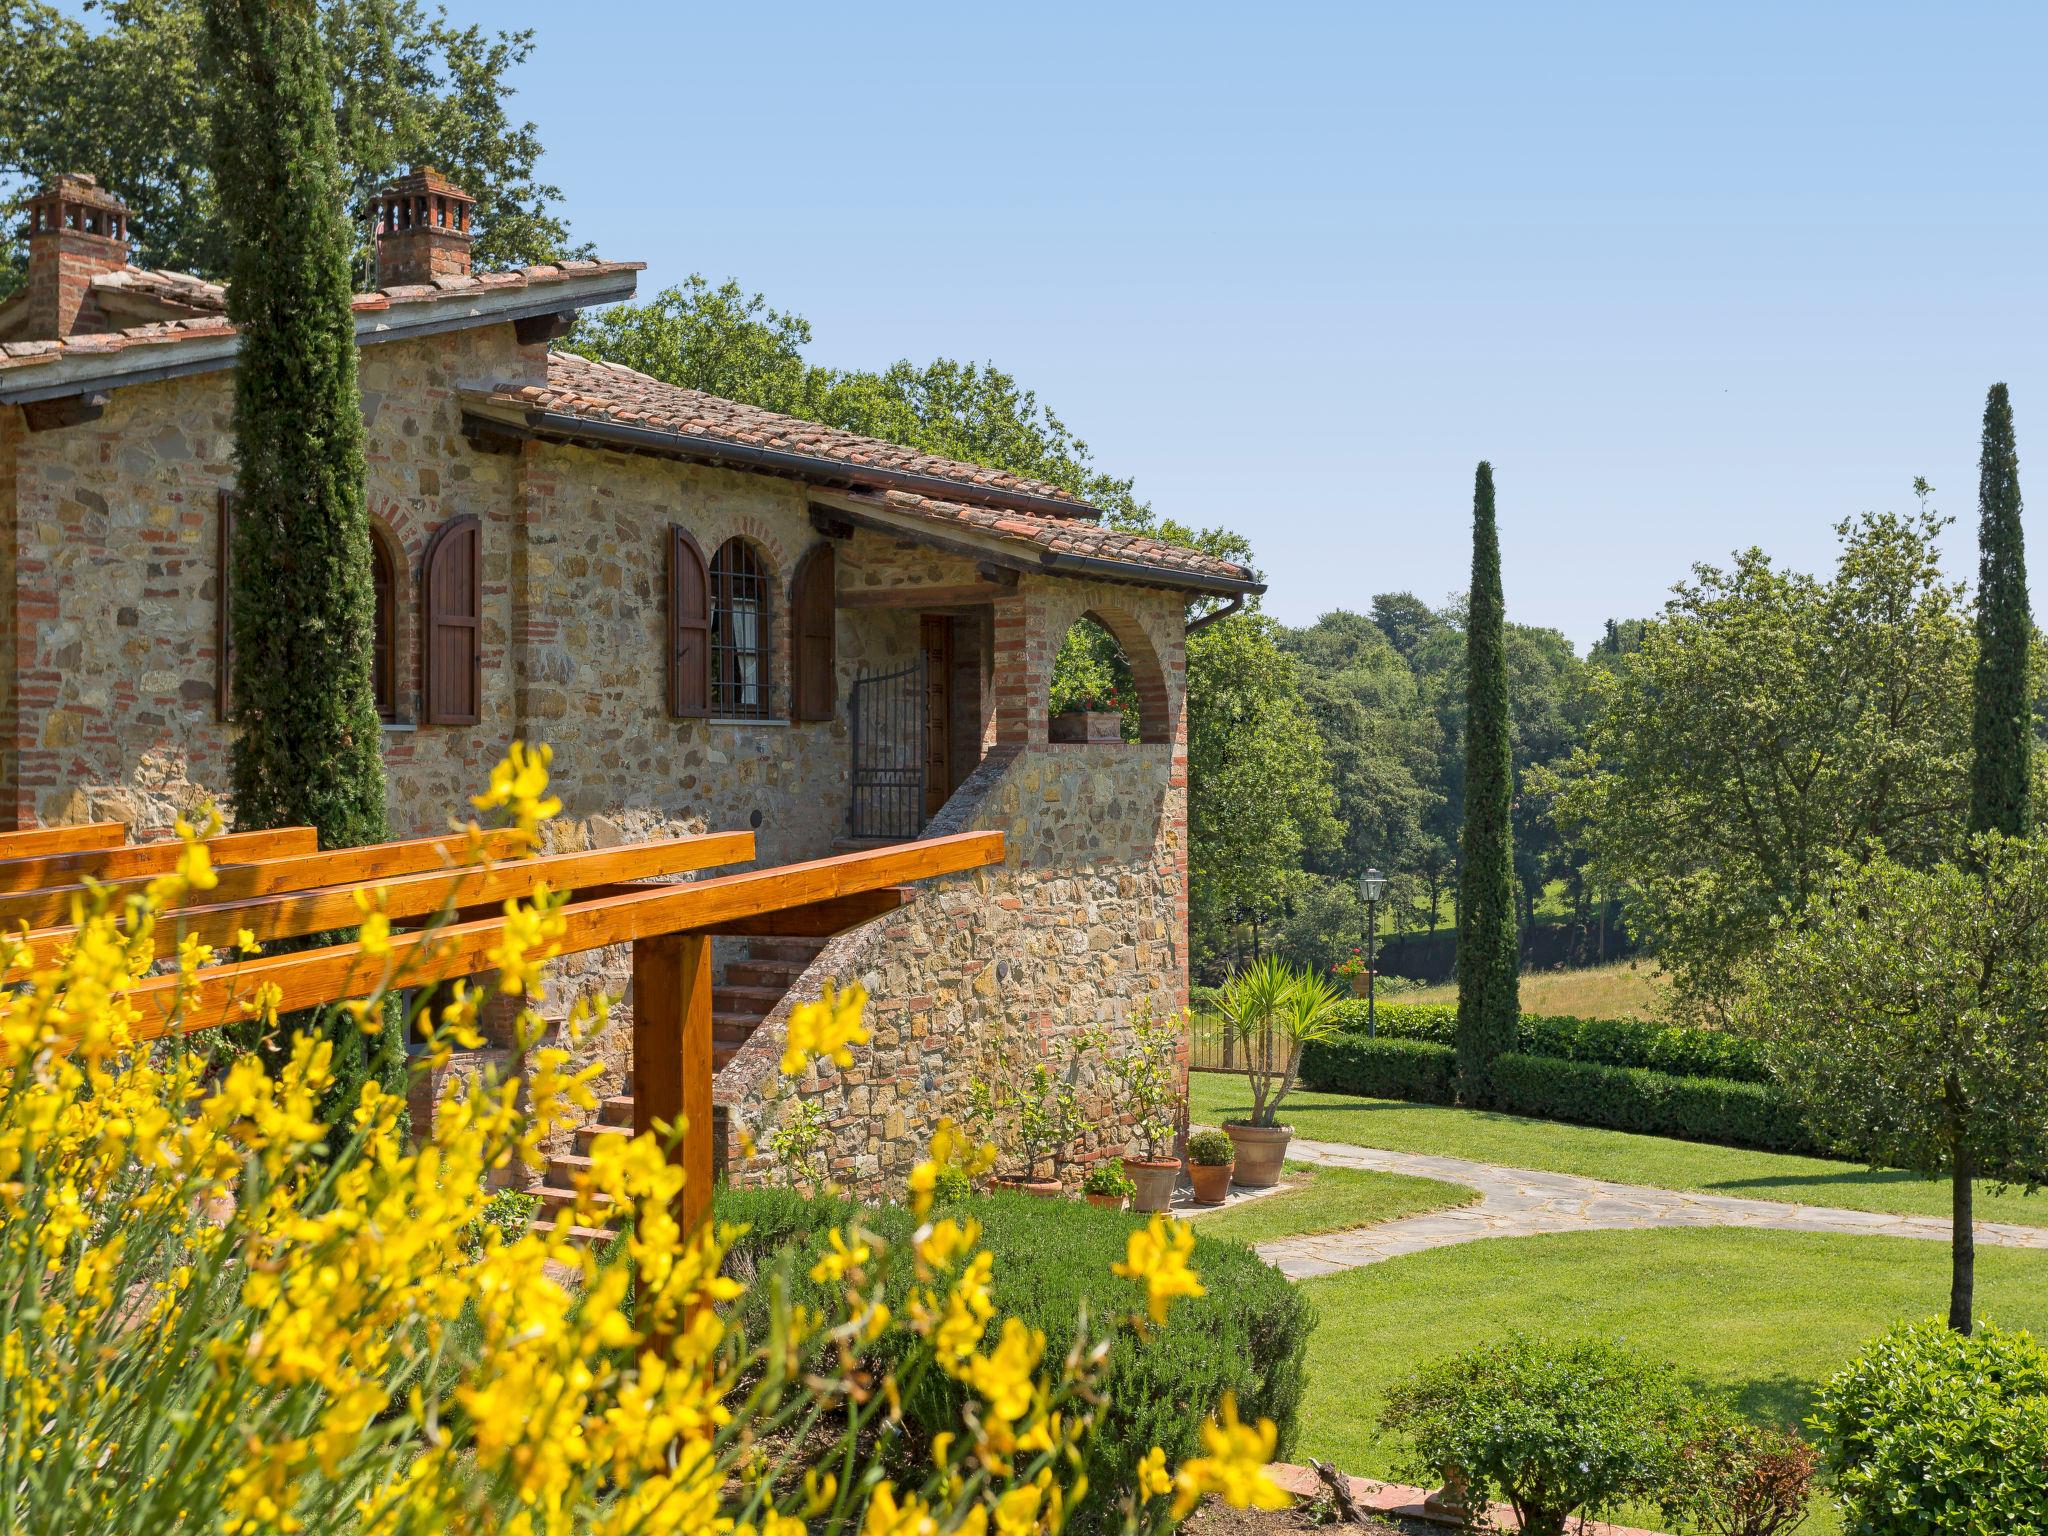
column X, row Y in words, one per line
column 1211, row 1181
column 1360, row 984
column 1261, row 1149
column 1106, row 1202
column 1155, row 1180
column 1045, row 1189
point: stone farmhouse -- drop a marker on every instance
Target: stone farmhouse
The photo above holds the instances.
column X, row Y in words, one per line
column 718, row 617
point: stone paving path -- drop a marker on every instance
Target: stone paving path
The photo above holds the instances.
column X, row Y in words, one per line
column 1519, row 1202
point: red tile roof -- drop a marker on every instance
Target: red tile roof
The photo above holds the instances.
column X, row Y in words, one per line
column 609, row 394
column 182, row 292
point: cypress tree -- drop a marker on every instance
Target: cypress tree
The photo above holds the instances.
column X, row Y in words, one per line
column 2002, row 733
column 307, row 749
column 1489, row 980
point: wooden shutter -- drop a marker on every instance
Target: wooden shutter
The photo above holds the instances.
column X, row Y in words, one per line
column 813, row 596
column 223, row 609
column 384, row 647
column 451, row 628
column 689, row 628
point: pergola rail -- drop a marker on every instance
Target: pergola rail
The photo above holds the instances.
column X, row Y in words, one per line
column 613, row 899
column 76, row 839
column 39, row 871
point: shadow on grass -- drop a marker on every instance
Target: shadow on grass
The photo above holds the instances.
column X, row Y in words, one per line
column 1781, row 1400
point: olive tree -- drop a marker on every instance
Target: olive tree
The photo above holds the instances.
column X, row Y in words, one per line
column 1907, row 1014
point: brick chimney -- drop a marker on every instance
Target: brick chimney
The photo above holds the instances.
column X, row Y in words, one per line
column 421, row 222
column 75, row 232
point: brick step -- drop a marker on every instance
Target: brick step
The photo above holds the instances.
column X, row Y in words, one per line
column 746, row 999
column 587, row 1134
column 556, row 1202
column 798, row 947
column 734, row 1029
column 586, row 1235
column 779, row 974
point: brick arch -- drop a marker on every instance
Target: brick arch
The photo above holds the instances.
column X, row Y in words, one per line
column 1148, row 672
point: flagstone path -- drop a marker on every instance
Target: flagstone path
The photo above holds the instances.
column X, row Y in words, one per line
column 1520, row 1202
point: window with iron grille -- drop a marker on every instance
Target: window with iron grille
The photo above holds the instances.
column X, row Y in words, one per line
column 739, row 632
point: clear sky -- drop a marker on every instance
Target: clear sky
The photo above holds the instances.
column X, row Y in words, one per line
column 1693, row 277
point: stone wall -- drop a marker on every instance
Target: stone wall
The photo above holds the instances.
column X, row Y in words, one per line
column 990, row 972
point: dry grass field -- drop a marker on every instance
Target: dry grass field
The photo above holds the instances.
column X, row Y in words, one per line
column 1622, row 991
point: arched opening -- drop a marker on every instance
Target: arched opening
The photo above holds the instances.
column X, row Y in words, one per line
column 1107, row 684
column 739, row 632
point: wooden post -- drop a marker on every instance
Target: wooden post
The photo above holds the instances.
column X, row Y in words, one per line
column 672, row 1055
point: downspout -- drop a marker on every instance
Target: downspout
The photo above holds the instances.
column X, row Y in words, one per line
column 1235, row 605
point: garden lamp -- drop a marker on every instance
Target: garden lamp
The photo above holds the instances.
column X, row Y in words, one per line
column 1370, row 885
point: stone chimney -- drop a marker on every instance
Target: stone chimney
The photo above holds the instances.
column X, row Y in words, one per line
column 421, row 225
column 75, row 232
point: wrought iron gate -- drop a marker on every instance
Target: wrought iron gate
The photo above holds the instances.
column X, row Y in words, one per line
column 888, row 752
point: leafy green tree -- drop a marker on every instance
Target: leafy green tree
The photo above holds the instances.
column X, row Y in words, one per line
column 2002, row 725
column 405, row 85
column 1907, row 1014
column 307, row 751
column 1489, row 947
column 1259, row 799
column 1768, row 723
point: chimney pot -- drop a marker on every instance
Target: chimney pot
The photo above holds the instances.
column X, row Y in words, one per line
column 422, row 228
column 75, row 232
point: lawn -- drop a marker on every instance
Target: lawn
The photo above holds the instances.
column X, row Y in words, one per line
column 1765, row 1316
column 1619, row 1156
column 1329, row 1200
column 1620, row 991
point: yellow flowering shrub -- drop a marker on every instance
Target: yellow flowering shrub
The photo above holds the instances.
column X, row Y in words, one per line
column 221, row 1315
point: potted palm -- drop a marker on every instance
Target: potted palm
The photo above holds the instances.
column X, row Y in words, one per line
column 1272, row 1010
column 1148, row 1092
column 1211, row 1156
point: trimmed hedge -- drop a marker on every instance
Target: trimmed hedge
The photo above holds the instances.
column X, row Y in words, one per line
column 1421, row 1070
column 1636, row 1099
column 1546, row 1088
column 1666, row 1048
column 1248, row 1334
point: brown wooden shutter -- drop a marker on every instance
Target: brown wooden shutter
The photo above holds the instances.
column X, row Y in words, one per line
column 384, row 647
column 451, row 628
column 689, row 628
column 223, row 610
column 813, row 598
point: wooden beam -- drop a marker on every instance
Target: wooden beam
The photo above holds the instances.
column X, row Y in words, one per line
column 291, row 914
column 156, row 858
column 531, row 329
column 672, row 1066
column 964, row 594
column 79, row 839
column 64, row 411
column 51, row 905
column 223, row 994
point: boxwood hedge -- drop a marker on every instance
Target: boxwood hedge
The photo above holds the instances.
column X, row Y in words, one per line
column 1668, row 1048
column 1248, row 1334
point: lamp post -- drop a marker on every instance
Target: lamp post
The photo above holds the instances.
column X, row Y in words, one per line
column 1370, row 885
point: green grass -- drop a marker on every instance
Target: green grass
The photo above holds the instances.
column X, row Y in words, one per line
column 1329, row 1200
column 1625, row 990
column 1619, row 1156
column 1764, row 1316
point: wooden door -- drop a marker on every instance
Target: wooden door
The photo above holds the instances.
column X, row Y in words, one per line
column 935, row 636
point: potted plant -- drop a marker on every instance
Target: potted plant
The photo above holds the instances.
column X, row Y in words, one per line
column 1211, row 1157
column 1272, row 1010
column 1148, row 1093
column 1048, row 1121
column 1099, row 722
column 1353, row 972
column 1107, row 1186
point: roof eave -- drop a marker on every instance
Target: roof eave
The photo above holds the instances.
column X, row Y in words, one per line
column 174, row 357
column 567, row 427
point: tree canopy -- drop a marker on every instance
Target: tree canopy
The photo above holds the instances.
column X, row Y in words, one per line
column 124, row 94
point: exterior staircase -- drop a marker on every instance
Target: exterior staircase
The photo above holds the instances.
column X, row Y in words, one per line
column 749, row 993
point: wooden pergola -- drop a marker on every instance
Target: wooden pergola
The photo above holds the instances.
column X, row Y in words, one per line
column 276, row 885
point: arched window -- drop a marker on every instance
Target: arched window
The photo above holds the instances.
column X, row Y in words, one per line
column 739, row 632
column 384, row 640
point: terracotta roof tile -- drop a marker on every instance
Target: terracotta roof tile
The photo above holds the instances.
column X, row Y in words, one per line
column 188, row 292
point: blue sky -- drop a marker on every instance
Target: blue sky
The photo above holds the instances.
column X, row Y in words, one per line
column 1692, row 277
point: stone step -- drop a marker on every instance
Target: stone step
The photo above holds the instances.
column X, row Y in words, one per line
column 599, row 1235
column 798, row 947
column 587, row 1134
column 779, row 974
column 556, row 1202
column 746, row 999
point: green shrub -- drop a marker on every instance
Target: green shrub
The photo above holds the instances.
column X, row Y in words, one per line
column 1655, row 1103
column 1421, row 1070
column 1248, row 1334
column 1730, row 1477
column 1108, row 1179
column 1933, row 1433
column 1553, row 1429
column 1609, row 1042
column 1212, row 1149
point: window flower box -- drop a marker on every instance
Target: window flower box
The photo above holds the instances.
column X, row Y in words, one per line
column 1095, row 727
